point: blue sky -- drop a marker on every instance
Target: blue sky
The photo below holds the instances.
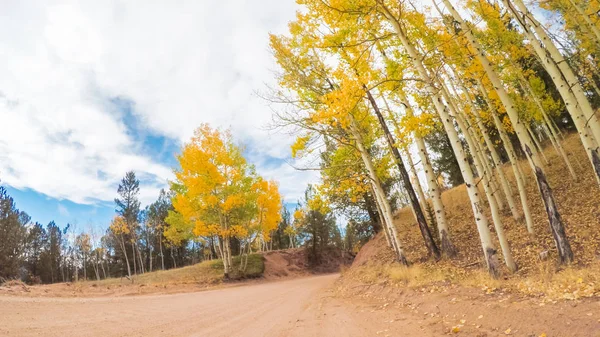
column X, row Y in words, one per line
column 90, row 90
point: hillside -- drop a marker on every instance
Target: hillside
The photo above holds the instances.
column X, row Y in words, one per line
column 457, row 296
column 579, row 204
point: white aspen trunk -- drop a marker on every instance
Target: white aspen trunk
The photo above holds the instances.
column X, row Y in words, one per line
column 548, row 128
column 539, row 150
column 387, row 225
column 103, row 270
column 566, row 82
column 499, row 171
column 226, row 257
column 379, row 192
column 496, row 161
column 122, row 241
column 219, row 249
column 480, row 219
column 97, row 271
column 415, row 178
column 134, row 256
column 150, row 250
column 557, row 129
column 485, row 168
column 384, row 225
column 162, row 256
column 173, row 258
column 510, row 151
column 142, row 269
column 433, row 189
column 414, row 201
column 554, row 145
column 554, row 218
column 488, row 189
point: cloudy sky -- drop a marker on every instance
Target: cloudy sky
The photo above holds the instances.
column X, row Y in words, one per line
column 92, row 89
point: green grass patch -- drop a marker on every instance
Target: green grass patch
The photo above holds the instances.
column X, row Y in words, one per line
column 254, row 269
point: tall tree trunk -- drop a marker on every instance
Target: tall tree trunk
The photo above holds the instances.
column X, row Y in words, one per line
column 499, row 171
column 485, row 168
column 142, row 269
column 551, row 133
column 480, row 218
column 435, row 194
column 539, row 150
column 173, row 258
column 150, row 250
column 160, row 247
column 379, row 192
column 384, row 226
column 122, row 241
column 103, row 270
column 134, row 256
column 489, row 190
column 497, row 162
column 97, row 270
column 519, row 177
column 415, row 178
column 552, row 211
column 414, row 201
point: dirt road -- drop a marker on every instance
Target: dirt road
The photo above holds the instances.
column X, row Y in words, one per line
column 299, row 307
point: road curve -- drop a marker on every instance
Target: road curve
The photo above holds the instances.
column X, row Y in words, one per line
column 299, row 307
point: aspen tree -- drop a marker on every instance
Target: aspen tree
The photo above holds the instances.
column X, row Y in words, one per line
column 435, row 194
column 586, row 18
column 548, row 127
column 361, row 69
column 476, row 204
column 488, row 188
column 485, row 167
column 415, row 177
column 379, row 192
column 447, row 247
column 566, row 82
column 519, row 177
column 490, row 13
column 495, row 159
column 419, row 215
column 384, row 225
column 557, row 227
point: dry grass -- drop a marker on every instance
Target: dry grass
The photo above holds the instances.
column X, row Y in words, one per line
column 207, row 272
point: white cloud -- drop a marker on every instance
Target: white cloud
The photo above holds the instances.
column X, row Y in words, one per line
column 182, row 63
